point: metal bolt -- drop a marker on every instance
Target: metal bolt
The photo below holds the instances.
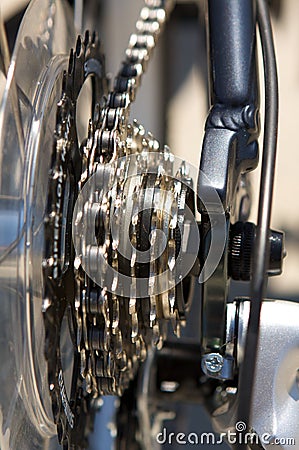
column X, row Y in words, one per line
column 212, row 363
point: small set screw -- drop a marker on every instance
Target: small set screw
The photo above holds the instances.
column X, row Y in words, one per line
column 212, row 363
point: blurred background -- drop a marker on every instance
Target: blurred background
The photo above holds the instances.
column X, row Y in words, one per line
column 173, row 105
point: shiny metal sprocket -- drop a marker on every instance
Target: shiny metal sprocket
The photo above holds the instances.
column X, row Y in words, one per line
column 72, row 405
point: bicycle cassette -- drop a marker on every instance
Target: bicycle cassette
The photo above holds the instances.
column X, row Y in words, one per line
column 124, row 201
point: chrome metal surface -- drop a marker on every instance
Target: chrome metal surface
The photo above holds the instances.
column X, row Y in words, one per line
column 275, row 405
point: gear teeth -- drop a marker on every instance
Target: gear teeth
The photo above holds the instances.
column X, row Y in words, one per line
column 80, row 44
column 71, row 62
column 87, row 39
column 64, row 290
column 95, row 38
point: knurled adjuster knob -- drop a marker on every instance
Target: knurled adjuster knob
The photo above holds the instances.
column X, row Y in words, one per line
column 241, row 249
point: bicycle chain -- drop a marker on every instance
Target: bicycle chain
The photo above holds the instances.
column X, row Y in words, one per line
column 110, row 333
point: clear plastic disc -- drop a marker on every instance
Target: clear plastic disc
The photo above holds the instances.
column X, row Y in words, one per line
column 27, row 123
